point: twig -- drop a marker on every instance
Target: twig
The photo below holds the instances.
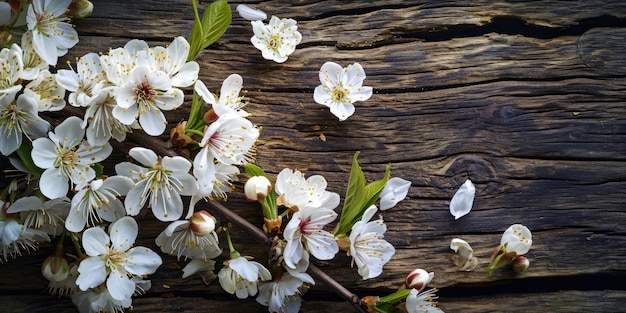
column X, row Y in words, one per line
column 224, row 213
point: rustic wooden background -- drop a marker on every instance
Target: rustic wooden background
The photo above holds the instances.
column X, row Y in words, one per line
column 525, row 98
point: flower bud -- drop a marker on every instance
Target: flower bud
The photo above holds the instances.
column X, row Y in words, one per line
column 418, row 279
column 520, row 264
column 55, row 268
column 257, row 188
column 80, row 9
column 202, row 223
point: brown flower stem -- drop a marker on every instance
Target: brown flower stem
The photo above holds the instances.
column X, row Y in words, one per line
column 224, row 213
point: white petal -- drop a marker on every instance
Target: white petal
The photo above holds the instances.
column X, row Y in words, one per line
column 53, row 183
column 342, row 110
column 250, row 14
column 119, row 285
column 142, row 261
column 95, row 241
column 153, row 122
column 395, row 191
column 123, row 233
column 144, row 156
column 457, row 243
column 92, row 273
column 463, row 199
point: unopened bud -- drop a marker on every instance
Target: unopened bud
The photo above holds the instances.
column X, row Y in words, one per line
column 418, row 279
column 55, row 268
column 202, row 223
column 520, row 264
column 80, row 9
column 257, row 188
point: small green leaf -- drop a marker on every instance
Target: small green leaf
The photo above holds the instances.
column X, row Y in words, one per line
column 98, row 168
column 373, row 189
column 197, row 36
column 254, row 170
column 216, row 19
column 355, row 198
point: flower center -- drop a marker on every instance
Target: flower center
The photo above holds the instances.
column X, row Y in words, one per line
column 145, row 92
column 339, row 94
column 9, row 116
column 274, row 41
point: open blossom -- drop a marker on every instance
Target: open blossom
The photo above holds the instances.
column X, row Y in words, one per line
column 171, row 60
column 276, row 40
column 341, row 87
column 368, row 249
column 160, row 181
column 65, row 156
column 422, row 302
column 179, row 239
column 113, row 259
column 295, row 191
column 33, row 63
column 283, row 295
column 98, row 202
column 240, row 277
column 17, row 118
column 119, row 62
column 15, row 237
column 306, row 230
column 229, row 101
column 100, row 124
column 47, row 216
column 463, row 199
column 45, row 90
column 11, row 67
column 144, row 97
column 84, row 83
column 395, row 190
column 99, row 299
column 52, row 34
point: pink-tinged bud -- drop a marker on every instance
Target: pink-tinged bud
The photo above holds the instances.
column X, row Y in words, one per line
column 257, row 188
column 418, row 279
column 55, row 268
column 202, row 223
column 520, row 264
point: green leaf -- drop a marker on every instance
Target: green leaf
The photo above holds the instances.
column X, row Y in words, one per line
column 98, row 168
column 355, row 198
column 254, row 170
column 216, row 19
column 373, row 189
column 196, row 113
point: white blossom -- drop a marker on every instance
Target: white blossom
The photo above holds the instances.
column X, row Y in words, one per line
column 295, row 191
column 45, row 90
column 15, row 237
column 517, row 238
column 276, row 40
column 463, row 200
column 52, row 34
column 65, row 156
column 48, row 216
column 423, row 302
column 283, row 295
column 368, row 249
column 86, row 82
column 11, row 67
column 340, row 88
column 160, row 182
column 172, row 61
column 178, row 239
column 305, row 230
column 229, row 100
column 113, row 259
column 18, row 118
column 240, row 277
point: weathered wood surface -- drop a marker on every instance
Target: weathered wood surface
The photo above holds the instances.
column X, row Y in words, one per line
column 526, row 98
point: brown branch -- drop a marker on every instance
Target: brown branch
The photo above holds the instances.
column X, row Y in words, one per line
column 224, row 213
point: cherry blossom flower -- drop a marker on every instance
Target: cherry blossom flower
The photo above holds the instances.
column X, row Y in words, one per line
column 463, row 199
column 46, row 92
column 160, row 181
column 283, row 295
column 394, row 191
column 119, row 62
column 65, row 156
column 100, row 124
column 368, row 249
column 276, row 40
column 172, row 61
column 15, row 237
column 113, row 259
column 250, row 14
column 48, row 216
column 144, row 97
column 305, row 230
column 229, row 100
column 517, row 238
column 423, row 302
column 17, row 118
column 340, row 88
column 52, row 34
column 240, row 276
column 99, row 299
column 179, row 239
column 84, row 84
column 11, row 67
column 97, row 202
column 33, row 63
column 295, row 191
